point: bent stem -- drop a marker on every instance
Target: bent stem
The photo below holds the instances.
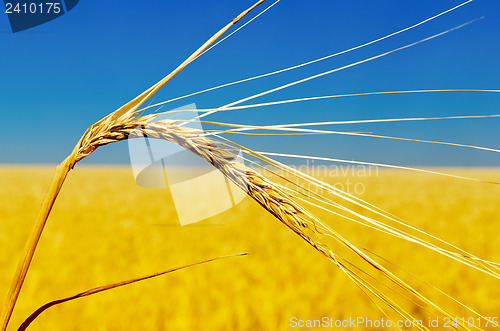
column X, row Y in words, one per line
column 29, row 250
column 103, row 288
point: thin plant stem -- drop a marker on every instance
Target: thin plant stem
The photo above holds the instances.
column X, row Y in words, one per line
column 29, row 250
column 103, row 288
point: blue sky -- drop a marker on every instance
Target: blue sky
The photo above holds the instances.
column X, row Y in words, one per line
column 59, row 78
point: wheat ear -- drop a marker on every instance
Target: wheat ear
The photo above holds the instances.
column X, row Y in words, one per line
column 269, row 195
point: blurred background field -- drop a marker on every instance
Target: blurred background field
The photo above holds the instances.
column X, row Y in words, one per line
column 104, row 228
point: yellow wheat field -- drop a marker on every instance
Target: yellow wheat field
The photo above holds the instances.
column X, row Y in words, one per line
column 104, row 228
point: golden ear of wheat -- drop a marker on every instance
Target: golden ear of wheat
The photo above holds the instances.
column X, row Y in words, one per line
column 269, row 195
column 262, row 190
column 275, row 200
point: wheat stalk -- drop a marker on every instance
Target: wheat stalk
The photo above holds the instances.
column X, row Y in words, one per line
column 265, row 192
column 126, row 124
